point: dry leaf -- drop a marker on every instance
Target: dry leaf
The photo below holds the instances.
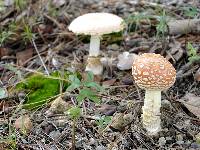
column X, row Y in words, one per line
column 176, row 51
column 192, row 103
column 108, row 83
column 5, row 52
column 107, row 109
column 23, row 56
column 197, row 75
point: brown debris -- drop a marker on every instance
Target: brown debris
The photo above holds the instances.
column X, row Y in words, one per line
column 58, row 106
column 107, row 109
column 23, row 56
column 192, row 103
column 120, row 121
column 197, row 75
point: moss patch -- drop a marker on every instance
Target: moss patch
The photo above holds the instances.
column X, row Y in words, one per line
column 40, row 88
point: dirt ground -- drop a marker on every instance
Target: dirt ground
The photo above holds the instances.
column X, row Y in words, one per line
column 148, row 30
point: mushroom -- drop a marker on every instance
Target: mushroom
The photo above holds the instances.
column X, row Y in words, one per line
column 96, row 24
column 154, row 73
column 125, row 61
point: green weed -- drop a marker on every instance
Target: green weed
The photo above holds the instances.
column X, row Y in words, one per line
column 86, row 90
column 10, row 140
column 134, row 21
column 190, row 11
column 27, row 34
column 52, row 10
column 161, row 27
column 4, row 36
column 192, row 53
column 20, row 4
column 103, row 122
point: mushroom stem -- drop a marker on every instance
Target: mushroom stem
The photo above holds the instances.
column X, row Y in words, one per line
column 151, row 111
column 94, row 45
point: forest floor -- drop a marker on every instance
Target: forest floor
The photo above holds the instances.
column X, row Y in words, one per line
column 40, row 58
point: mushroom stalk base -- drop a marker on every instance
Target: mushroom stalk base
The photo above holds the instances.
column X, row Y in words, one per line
column 151, row 111
column 94, row 45
column 94, row 65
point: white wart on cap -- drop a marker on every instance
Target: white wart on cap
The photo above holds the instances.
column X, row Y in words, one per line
column 153, row 71
column 97, row 24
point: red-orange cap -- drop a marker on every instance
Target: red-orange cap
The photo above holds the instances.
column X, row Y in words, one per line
column 153, row 71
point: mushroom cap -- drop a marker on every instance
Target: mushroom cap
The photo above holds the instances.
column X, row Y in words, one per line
column 153, row 72
column 97, row 24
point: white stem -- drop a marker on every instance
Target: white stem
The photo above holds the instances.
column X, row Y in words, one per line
column 151, row 111
column 94, row 45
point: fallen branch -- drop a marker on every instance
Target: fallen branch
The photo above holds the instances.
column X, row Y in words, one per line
column 177, row 27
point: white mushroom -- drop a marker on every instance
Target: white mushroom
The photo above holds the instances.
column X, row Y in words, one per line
column 153, row 73
column 96, row 24
column 125, row 61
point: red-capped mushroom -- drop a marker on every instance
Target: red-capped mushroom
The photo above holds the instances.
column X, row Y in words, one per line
column 153, row 73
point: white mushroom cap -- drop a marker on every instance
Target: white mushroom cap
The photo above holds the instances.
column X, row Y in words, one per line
column 153, row 71
column 97, row 24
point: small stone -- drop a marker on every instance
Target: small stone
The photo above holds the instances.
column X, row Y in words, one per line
column 92, row 141
column 114, row 47
column 80, row 142
column 100, row 148
column 195, row 145
column 179, row 137
column 180, row 142
column 58, row 106
column 24, row 141
column 21, row 96
column 166, row 104
column 58, row 3
column 162, row 141
column 24, row 124
column 168, row 138
column 55, row 134
column 127, row 81
column 188, row 142
column 120, row 121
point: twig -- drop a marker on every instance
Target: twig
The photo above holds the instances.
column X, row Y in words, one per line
column 73, row 135
column 40, row 56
